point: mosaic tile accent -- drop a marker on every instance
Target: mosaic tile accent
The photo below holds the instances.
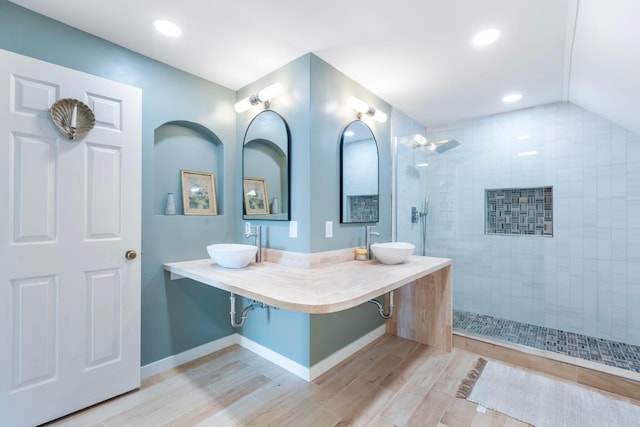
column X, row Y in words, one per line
column 363, row 208
column 606, row 352
column 519, row 211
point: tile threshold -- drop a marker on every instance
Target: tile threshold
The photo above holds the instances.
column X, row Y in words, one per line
column 598, row 350
column 550, row 355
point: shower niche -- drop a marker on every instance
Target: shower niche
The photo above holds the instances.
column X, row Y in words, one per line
column 519, row 211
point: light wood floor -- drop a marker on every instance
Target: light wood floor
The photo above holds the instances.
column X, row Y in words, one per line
column 393, row 382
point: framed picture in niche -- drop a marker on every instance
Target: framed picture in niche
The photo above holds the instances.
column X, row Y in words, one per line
column 255, row 196
column 198, row 193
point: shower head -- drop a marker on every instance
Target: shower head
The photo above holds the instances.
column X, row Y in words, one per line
column 442, row 146
column 419, row 141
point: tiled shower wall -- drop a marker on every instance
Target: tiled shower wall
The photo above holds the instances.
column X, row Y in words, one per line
column 411, row 180
column 584, row 279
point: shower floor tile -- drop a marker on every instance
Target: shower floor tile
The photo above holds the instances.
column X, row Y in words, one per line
column 611, row 353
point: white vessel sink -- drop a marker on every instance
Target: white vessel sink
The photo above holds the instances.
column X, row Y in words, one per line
column 392, row 252
column 232, row 255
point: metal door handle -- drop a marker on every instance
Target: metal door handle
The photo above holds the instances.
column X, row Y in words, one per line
column 130, row 254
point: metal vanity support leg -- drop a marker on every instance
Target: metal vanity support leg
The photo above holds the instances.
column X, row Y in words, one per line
column 243, row 317
column 381, row 308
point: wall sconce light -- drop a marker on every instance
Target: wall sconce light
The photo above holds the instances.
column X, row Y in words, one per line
column 72, row 117
column 263, row 96
column 363, row 108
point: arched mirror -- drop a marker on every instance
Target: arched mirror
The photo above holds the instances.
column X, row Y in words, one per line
column 358, row 174
column 265, row 168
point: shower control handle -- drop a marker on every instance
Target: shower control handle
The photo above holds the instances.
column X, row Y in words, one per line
column 414, row 215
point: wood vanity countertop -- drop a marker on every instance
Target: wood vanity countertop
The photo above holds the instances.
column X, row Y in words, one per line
column 317, row 290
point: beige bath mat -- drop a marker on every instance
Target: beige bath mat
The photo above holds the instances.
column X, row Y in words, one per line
column 542, row 401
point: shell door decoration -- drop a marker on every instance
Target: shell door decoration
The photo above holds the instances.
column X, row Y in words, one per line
column 73, row 118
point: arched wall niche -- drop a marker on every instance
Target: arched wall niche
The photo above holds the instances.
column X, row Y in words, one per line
column 186, row 145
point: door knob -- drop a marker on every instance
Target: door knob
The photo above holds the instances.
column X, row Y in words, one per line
column 130, row 254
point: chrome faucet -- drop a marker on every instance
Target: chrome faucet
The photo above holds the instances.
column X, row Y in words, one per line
column 367, row 238
column 257, row 233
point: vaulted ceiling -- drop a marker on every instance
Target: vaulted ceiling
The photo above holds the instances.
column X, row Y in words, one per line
column 415, row 54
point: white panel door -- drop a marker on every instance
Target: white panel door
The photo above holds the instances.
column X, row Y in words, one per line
column 69, row 210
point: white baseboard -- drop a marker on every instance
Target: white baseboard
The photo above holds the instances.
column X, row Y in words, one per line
column 186, row 356
column 307, row 374
column 273, row 357
column 329, row 362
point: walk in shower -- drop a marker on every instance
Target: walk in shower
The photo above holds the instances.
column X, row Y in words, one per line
column 564, row 277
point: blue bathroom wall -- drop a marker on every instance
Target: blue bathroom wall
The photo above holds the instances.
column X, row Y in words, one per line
column 293, row 106
column 282, row 331
column 182, row 314
column 330, row 114
column 314, row 106
column 331, row 332
column 176, row 315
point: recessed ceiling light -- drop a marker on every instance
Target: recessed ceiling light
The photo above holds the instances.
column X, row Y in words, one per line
column 167, row 28
column 512, row 97
column 486, row 37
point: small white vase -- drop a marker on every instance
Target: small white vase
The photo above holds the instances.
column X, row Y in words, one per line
column 170, row 209
column 275, row 206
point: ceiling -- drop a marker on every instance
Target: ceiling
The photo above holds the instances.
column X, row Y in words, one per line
column 415, row 54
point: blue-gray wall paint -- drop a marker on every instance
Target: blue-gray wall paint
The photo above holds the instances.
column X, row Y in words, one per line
column 284, row 332
column 293, row 106
column 331, row 332
column 329, row 116
column 176, row 315
column 314, row 107
column 182, row 314
column 184, row 146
